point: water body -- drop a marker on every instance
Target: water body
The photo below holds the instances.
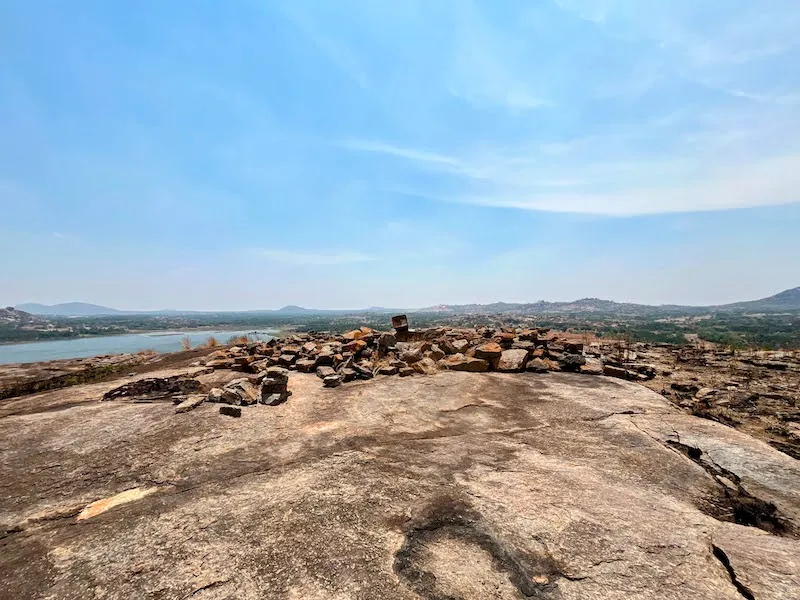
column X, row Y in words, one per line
column 160, row 341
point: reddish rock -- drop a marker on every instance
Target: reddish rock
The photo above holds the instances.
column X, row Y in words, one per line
column 459, row 362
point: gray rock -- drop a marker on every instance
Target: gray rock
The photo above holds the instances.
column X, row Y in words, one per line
column 332, row 381
column 230, row 411
column 572, row 362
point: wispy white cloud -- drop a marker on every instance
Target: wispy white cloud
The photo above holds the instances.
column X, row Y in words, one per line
column 292, row 257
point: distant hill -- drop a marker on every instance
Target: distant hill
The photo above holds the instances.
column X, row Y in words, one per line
column 69, row 309
column 13, row 317
column 786, row 300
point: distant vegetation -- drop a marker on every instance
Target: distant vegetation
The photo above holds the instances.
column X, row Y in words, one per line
column 772, row 323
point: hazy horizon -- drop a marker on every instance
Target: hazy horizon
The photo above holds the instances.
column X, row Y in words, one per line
column 368, row 306
column 240, row 156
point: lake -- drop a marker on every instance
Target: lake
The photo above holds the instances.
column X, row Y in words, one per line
column 160, row 341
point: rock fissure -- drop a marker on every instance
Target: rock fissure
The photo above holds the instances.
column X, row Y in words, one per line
column 743, row 590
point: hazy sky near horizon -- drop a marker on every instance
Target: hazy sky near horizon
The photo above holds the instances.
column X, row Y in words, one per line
column 251, row 154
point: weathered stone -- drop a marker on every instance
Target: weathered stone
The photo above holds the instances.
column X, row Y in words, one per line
column 612, row 371
column 245, row 390
column 459, row 362
column 488, row 351
column 305, row 365
column 388, row 370
column 309, row 347
column 505, row 339
column 426, row 366
column 572, row 362
column 460, row 345
column 323, row 372
column 512, row 360
column 355, row 346
column 190, row 403
column 274, row 399
column 573, row 347
column 272, row 386
column 536, row 365
column 435, row 353
column 230, row 411
column 363, row 371
column 593, row 366
column 324, row 359
column 286, row 360
column 154, row 388
column 278, row 373
column 412, row 356
column 291, row 349
column 348, row 374
column 332, row 381
column 386, row 341
column 406, row 371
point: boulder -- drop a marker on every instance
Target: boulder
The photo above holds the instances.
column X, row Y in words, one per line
column 406, row 371
column 505, row 339
column 512, row 360
column 286, row 360
column 573, row 347
column 446, row 344
column 388, row 370
column 459, row 362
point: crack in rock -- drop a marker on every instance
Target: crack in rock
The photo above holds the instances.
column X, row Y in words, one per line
column 743, row 590
column 741, row 505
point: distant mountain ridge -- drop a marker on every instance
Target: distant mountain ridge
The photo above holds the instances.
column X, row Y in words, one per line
column 69, row 309
column 786, row 300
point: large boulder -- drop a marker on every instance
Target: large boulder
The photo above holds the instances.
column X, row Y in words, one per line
column 512, row 361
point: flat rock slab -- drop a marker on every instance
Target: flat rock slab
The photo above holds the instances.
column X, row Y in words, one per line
column 456, row 485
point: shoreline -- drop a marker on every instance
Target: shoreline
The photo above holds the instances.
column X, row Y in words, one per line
column 134, row 332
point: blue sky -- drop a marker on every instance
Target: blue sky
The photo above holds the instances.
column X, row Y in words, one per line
column 251, row 154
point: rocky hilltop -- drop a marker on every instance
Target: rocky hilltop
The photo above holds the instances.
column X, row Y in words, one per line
column 458, row 463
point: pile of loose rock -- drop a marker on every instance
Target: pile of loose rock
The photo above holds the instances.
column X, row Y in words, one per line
column 364, row 353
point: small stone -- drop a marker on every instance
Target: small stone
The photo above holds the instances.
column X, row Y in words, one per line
column 332, row 381
column 230, row 411
column 190, row 403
